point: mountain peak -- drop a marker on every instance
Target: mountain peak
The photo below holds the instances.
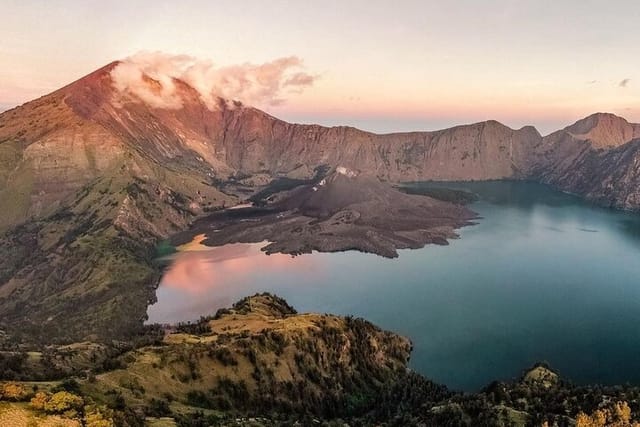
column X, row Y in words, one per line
column 101, row 75
column 604, row 130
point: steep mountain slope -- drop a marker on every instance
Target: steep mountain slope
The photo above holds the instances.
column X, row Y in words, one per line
column 83, row 203
column 596, row 157
column 85, row 271
column 257, row 142
column 607, row 177
column 53, row 146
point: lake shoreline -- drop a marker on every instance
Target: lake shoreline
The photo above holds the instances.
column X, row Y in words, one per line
column 498, row 298
column 340, row 213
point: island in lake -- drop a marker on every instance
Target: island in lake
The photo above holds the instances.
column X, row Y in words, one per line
column 344, row 210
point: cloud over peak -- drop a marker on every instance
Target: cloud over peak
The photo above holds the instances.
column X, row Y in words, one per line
column 151, row 77
column 624, row 82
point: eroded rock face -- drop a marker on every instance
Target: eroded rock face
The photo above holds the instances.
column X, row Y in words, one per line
column 596, row 158
column 607, row 177
column 489, row 150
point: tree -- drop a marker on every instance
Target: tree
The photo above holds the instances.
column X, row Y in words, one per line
column 98, row 417
column 617, row 414
column 14, row 391
column 40, row 400
column 64, row 402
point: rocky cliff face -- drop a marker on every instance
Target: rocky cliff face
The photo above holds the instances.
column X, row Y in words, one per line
column 257, row 142
column 608, row 177
column 596, row 158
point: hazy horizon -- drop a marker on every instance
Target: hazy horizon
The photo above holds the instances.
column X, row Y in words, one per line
column 379, row 67
column 385, row 125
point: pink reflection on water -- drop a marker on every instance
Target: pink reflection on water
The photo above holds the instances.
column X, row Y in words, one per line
column 201, row 280
column 198, row 272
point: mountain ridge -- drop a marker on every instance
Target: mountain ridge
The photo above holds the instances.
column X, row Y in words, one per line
column 604, row 130
column 92, row 174
column 235, row 139
column 261, row 363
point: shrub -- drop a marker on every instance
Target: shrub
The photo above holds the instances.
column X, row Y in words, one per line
column 225, row 356
column 63, row 402
column 40, row 400
column 617, row 414
column 98, row 417
column 158, row 408
column 14, row 391
column 70, row 385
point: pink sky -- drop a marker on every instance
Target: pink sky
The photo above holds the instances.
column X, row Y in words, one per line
column 382, row 66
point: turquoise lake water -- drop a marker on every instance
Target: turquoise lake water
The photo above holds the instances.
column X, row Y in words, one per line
column 543, row 276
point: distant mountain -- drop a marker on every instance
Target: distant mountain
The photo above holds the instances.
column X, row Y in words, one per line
column 596, row 157
column 604, row 130
column 92, row 176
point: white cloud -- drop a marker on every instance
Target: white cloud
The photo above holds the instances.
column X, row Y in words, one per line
column 151, row 77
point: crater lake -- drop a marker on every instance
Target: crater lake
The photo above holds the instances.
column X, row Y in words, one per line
column 543, row 276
